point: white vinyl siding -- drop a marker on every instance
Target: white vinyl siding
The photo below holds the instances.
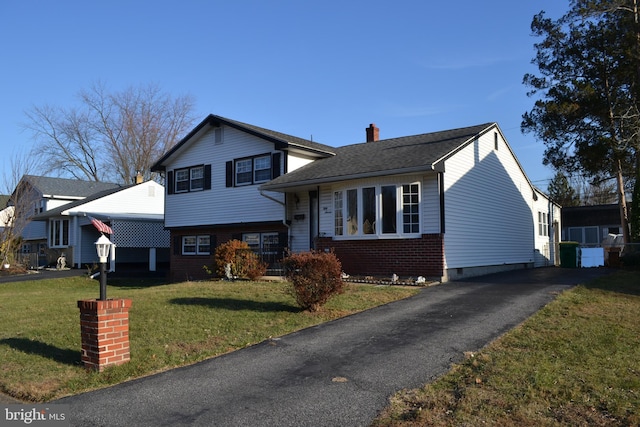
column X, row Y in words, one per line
column 222, row 205
column 145, row 198
column 488, row 207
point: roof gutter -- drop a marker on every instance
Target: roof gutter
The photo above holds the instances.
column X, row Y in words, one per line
column 436, row 167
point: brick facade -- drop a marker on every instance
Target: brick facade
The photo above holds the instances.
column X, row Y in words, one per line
column 383, row 257
column 190, row 267
column 104, row 329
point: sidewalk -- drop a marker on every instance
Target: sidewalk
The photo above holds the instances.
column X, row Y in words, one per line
column 339, row 373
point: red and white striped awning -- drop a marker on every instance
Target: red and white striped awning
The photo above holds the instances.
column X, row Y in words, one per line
column 101, row 226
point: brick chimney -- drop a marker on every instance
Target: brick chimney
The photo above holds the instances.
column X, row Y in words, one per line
column 139, row 178
column 373, row 133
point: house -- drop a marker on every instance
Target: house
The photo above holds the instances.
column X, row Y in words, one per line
column 590, row 225
column 446, row 204
column 133, row 212
column 34, row 195
column 212, row 190
column 6, row 212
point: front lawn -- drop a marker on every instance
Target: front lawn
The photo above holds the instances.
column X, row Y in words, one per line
column 170, row 325
column 574, row 363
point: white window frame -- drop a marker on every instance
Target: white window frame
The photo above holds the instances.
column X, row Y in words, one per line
column 349, row 221
column 259, row 168
column 583, row 234
column 543, row 224
column 58, row 233
column 190, row 179
column 244, row 168
column 196, row 178
column 260, row 242
column 182, row 177
column 198, row 243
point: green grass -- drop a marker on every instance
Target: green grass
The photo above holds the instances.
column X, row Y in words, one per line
column 575, row 363
column 170, row 325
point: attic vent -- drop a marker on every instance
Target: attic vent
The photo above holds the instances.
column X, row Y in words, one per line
column 218, row 135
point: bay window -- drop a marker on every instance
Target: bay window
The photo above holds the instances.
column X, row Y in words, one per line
column 377, row 211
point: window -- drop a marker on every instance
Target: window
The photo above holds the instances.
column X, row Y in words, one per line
column 194, row 178
column 376, row 211
column 244, row 172
column 389, row 209
column 266, row 245
column 253, row 170
column 58, row 233
column 196, row 245
column 182, row 181
column 543, row 224
column 410, row 208
column 338, row 221
column 369, row 210
column 584, row 235
column 262, row 169
column 197, row 178
column 352, row 212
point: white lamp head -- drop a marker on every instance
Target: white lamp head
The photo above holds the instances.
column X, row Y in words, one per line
column 103, row 244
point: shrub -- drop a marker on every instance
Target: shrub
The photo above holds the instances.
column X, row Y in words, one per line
column 315, row 277
column 243, row 261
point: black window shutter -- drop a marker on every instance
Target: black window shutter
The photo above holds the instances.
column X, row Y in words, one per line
column 177, row 246
column 170, row 182
column 229, row 173
column 213, row 243
column 207, row 177
column 275, row 165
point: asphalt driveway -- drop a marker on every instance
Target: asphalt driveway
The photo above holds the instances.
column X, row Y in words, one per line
column 340, row 373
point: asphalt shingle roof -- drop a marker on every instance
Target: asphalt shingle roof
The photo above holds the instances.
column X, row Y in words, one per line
column 95, row 196
column 281, row 140
column 67, row 187
column 383, row 157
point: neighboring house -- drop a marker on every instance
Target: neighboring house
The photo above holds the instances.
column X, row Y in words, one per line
column 6, row 212
column 37, row 194
column 134, row 213
column 589, row 225
column 547, row 217
column 446, row 204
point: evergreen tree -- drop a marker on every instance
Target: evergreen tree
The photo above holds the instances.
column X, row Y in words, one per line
column 588, row 112
column 561, row 192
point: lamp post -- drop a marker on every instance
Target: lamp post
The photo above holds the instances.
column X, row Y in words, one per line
column 103, row 244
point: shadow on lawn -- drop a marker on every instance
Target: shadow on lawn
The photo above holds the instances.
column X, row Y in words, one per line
column 237, row 304
column 67, row 356
column 625, row 282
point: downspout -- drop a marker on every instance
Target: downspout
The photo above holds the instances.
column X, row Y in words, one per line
column 284, row 217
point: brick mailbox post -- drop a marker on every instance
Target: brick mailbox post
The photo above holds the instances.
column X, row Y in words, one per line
column 104, row 326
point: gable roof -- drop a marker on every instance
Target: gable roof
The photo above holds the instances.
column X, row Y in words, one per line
column 4, row 200
column 58, row 211
column 384, row 157
column 282, row 141
column 62, row 187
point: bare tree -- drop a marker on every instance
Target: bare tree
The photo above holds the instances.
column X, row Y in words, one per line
column 110, row 135
column 20, row 206
column 66, row 142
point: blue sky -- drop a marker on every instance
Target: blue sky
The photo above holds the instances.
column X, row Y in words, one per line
column 323, row 69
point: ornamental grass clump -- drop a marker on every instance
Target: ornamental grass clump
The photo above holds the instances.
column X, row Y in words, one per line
column 315, row 277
